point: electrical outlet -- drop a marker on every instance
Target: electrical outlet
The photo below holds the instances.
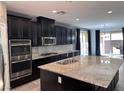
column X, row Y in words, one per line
column 59, row 80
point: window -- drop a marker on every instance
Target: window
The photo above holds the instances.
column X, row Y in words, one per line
column 111, row 44
column 84, row 42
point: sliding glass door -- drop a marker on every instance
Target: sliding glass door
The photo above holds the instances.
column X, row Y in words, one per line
column 84, row 42
column 111, row 44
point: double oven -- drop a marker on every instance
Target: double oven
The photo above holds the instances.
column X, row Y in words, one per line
column 20, row 58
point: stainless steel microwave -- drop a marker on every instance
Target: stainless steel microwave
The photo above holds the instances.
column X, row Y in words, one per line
column 48, row 40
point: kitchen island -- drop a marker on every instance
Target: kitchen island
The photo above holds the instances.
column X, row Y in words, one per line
column 81, row 73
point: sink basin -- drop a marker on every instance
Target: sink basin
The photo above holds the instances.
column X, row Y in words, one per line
column 68, row 61
column 47, row 54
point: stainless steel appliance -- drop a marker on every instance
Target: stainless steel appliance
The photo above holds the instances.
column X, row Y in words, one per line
column 20, row 58
column 48, row 40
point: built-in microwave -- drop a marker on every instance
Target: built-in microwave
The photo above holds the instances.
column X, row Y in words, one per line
column 48, row 40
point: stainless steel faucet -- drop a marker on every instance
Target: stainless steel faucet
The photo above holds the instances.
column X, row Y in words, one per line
column 67, row 54
column 73, row 54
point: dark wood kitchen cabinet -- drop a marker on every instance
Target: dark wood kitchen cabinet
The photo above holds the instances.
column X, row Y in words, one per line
column 69, row 36
column 58, row 35
column 26, row 29
column 64, row 35
column 18, row 27
column 35, row 33
column 42, row 61
column 23, row 28
column 51, row 81
column 36, row 71
column 47, row 26
column 73, row 36
column 14, row 27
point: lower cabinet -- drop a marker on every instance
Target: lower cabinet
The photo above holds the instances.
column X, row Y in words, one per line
column 51, row 81
column 36, row 71
column 38, row 62
column 55, row 82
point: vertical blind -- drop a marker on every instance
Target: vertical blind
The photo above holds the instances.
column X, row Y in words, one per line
column 89, row 42
column 98, row 42
column 123, row 40
column 78, row 39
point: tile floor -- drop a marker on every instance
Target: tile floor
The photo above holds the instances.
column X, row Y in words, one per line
column 31, row 86
column 35, row 85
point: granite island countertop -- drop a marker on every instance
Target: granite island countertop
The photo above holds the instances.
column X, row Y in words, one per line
column 95, row 70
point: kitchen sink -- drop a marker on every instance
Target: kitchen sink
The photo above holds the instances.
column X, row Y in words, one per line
column 67, row 61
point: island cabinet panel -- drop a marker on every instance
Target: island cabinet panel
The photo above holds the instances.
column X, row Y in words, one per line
column 51, row 81
column 55, row 82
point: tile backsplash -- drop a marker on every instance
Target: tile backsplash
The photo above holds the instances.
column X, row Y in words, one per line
column 57, row 48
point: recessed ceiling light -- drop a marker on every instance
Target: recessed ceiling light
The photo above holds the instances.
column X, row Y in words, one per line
column 109, row 12
column 77, row 19
column 54, row 11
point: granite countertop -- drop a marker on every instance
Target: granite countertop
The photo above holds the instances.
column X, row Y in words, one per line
column 95, row 70
column 37, row 56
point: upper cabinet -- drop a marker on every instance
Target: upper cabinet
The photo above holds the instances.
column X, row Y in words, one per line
column 64, row 35
column 26, row 29
column 47, row 26
column 23, row 28
column 18, row 28
column 35, row 31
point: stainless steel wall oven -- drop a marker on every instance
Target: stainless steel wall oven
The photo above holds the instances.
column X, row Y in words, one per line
column 20, row 58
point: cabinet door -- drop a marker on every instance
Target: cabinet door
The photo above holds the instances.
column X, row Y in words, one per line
column 69, row 36
column 64, row 35
column 73, row 39
column 58, row 35
column 34, row 34
column 51, row 28
column 76, row 53
column 47, row 27
column 26, row 29
column 40, row 33
column 14, row 27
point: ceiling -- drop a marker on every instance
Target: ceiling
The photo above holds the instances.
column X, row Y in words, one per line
column 92, row 14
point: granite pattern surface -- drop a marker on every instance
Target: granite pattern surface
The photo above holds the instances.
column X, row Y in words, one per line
column 36, row 51
column 4, row 44
column 95, row 70
column 38, row 56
